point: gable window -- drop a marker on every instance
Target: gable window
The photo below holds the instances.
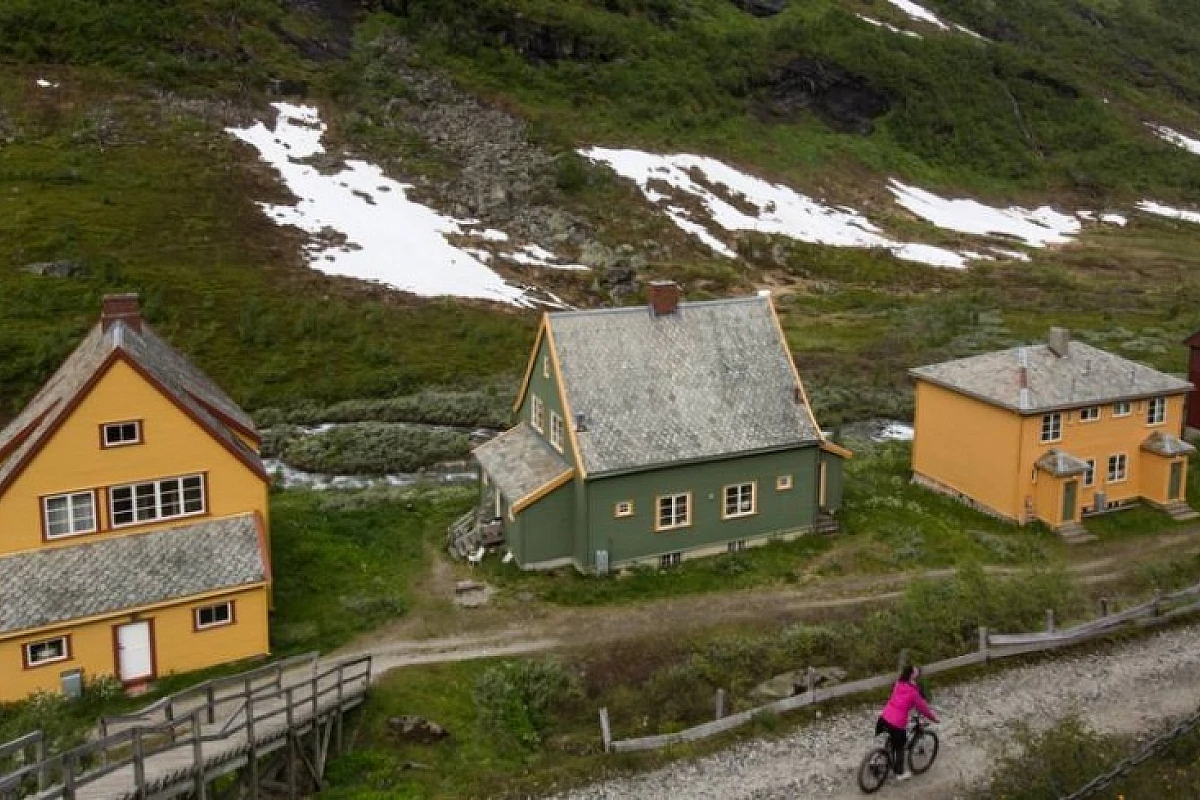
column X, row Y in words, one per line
column 740, row 500
column 1089, row 475
column 783, row 483
column 1051, row 427
column 674, row 511
column 69, row 514
column 556, row 431
column 1090, row 414
column 623, row 509
column 537, row 413
column 545, row 366
column 214, row 616
column 1156, row 411
column 146, row 502
column 116, row 434
column 1121, row 409
column 1117, row 466
column 47, row 651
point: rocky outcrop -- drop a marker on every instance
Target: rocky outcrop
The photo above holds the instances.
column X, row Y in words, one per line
column 843, row 100
column 761, row 8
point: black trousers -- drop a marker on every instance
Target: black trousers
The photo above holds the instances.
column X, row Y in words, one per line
column 897, row 738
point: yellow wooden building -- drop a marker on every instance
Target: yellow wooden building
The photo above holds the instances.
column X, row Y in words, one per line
column 133, row 519
column 1052, row 432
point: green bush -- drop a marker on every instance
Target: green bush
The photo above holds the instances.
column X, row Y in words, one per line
column 515, row 699
column 374, row 448
column 1053, row 763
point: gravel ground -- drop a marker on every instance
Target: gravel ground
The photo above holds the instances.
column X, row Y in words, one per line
column 1125, row 688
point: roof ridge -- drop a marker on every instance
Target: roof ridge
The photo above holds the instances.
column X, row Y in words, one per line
column 581, row 312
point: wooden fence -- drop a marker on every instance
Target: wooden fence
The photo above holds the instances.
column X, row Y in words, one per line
column 992, row 647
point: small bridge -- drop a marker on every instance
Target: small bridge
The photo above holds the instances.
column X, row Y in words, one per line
column 274, row 726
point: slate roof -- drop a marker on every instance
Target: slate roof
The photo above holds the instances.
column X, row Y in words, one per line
column 113, row 573
column 1166, row 444
column 1061, row 464
column 520, row 462
column 714, row 379
column 178, row 377
column 1085, row 376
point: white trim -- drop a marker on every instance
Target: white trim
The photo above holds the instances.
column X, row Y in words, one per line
column 674, row 500
column 557, row 430
column 70, row 498
column 546, row 365
column 1055, row 420
column 1092, row 469
column 784, row 483
column 1128, row 406
column 1095, row 418
column 1124, row 468
column 226, row 604
column 66, row 651
column 738, row 513
column 118, row 428
column 537, row 413
column 623, row 508
column 1159, row 403
column 158, row 501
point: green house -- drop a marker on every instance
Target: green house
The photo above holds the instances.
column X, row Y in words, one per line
column 651, row 434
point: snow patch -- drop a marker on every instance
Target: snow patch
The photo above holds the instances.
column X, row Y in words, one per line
column 734, row 201
column 381, row 235
column 1176, row 138
column 1015, row 255
column 1114, row 219
column 42, row 83
column 1160, row 210
column 888, row 26
column 1036, row 227
column 533, row 255
column 922, row 14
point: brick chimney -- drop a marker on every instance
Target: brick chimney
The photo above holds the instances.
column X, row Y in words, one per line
column 664, row 297
column 1059, row 341
column 121, row 308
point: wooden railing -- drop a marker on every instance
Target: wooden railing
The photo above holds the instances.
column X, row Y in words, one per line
column 262, row 714
column 992, row 647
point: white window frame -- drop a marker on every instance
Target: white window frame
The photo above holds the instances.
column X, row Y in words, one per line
column 557, row 430
column 1052, row 425
column 783, row 483
column 73, row 528
column 119, row 429
column 537, row 413
column 1156, row 411
column 736, row 546
column 1089, row 475
column 202, row 626
column 739, row 509
column 1122, row 408
column 677, row 520
column 1089, row 414
column 137, row 493
column 27, row 651
column 546, row 366
column 623, row 508
column 668, row 560
column 1116, row 475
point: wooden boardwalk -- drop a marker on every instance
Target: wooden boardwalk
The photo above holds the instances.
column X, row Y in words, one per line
column 288, row 714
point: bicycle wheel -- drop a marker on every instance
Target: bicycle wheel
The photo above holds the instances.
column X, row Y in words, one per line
column 874, row 769
column 922, row 752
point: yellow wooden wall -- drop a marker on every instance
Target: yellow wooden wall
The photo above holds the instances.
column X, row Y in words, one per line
column 177, row 646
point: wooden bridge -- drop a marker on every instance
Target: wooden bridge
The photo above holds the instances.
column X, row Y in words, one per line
column 273, row 727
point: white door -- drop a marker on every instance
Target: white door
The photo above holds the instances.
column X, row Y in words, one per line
column 133, row 651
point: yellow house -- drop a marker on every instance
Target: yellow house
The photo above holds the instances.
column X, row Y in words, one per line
column 133, row 518
column 1051, row 432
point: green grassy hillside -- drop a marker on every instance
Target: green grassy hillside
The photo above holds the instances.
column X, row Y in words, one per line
column 125, row 170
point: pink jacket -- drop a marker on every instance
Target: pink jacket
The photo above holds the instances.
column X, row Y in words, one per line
column 905, row 696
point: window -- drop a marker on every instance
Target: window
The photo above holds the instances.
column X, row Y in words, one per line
column 1090, row 414
column 1117, row 468
column 69, row 514
column 1156, row 411
column 47, row 651
column 1089, row 475
column 623, row 509
column 556, row 431
column 736, row 547
column 668, row 560
column 674, row 511
column 537, row 413
column 545, row 366
column 1051, row 427
column 783, row 483
column 214, row 616
column 115, row 434
column 146, row 502
column 739, row 500
column 1121, row 409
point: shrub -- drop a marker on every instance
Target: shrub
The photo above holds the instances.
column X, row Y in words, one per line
column 514, row 699
column 374, row 448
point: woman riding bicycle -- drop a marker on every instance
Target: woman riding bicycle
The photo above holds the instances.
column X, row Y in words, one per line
column 893, row 720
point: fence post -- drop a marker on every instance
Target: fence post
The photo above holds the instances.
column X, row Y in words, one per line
column 1104, row 606
column 1049, row 620
column 39, row 752
column 198, row 756
column 983, row 643
column 605, row 730
column 341, row 711
column 211, row 700
column 810, row 682
column 69, row 776
column 1154, row 607
column 139, row 764
column 252, row 741
column 720, row 703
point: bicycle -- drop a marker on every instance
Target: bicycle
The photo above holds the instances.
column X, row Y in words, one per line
column 922, row 749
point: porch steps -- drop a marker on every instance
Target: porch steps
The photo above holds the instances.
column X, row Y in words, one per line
column 1074, row 533
column 1180, row 511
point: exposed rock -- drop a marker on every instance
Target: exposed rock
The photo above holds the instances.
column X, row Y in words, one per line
column 761, row 8
column 1056, row 85
column 550, row 42
column 56, row 269
column 796, row 681
column 845, row 101
column 416, row 730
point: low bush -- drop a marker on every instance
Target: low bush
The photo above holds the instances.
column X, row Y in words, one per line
column 514, row 699
column 487, row 408
column 374, row 448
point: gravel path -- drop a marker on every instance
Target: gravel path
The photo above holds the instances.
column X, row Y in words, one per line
column 1124, row 688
